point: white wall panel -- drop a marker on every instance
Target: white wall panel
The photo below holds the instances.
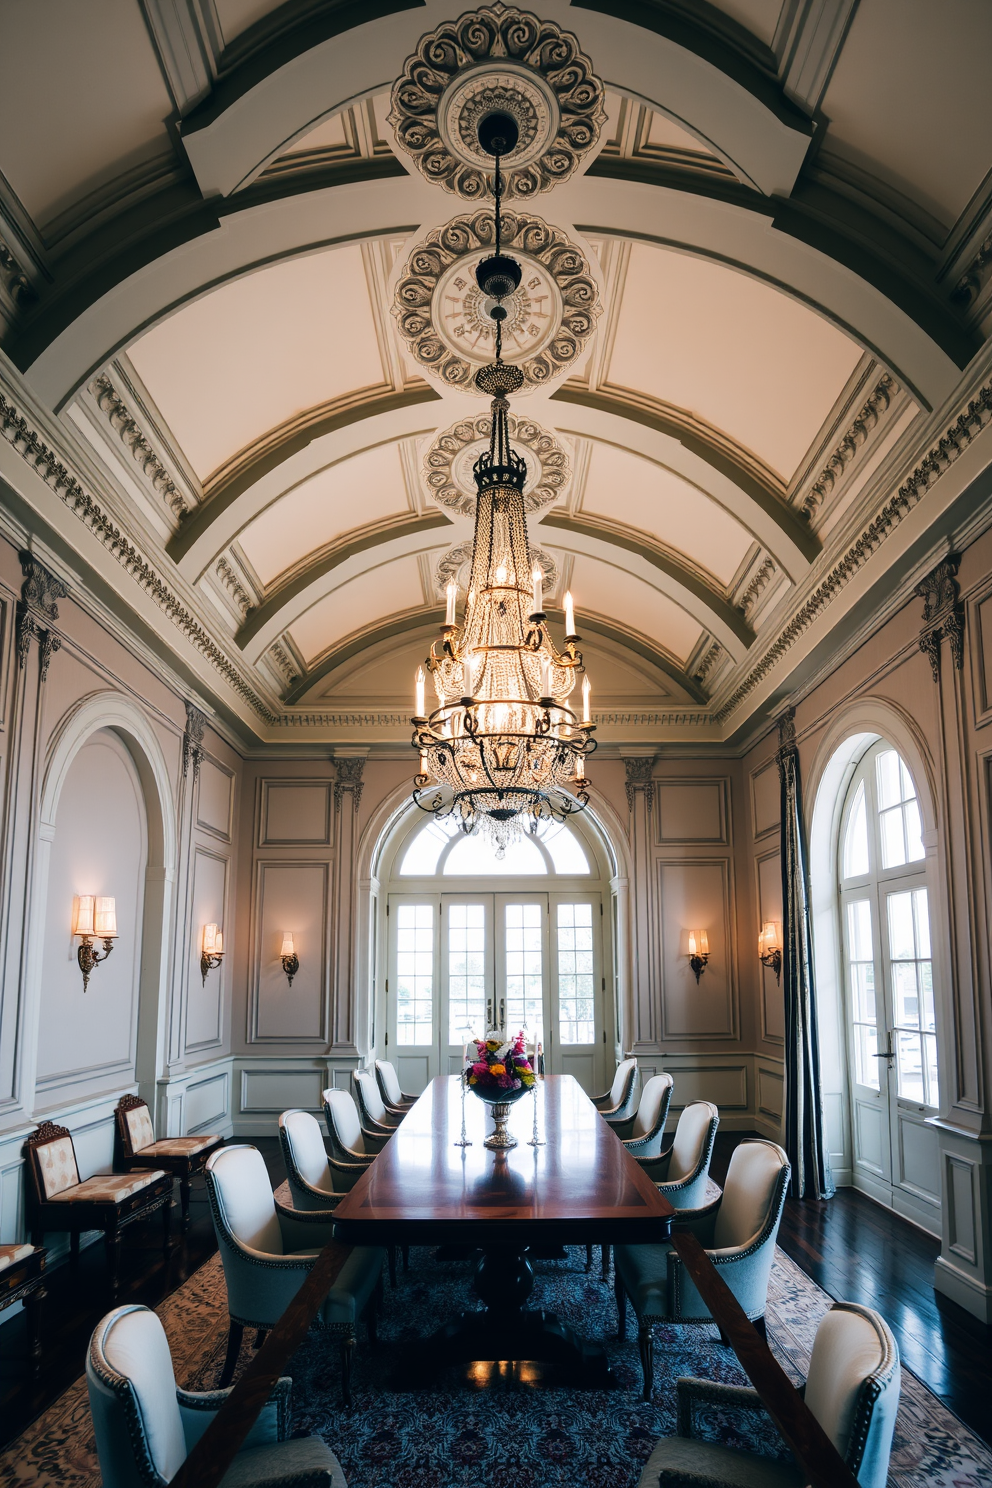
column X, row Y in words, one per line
column 695, row 895
column 295, row 813
column 291, row 896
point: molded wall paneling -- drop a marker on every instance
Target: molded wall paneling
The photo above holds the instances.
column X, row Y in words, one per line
column 961, row 1223
column 208, row 1102
column 99, row 848
column 770, row 1094
column 692, row 811
column 295, row 813
column 695, row 895
column 205, row 999
column 766, row 807
column 215, row 800
column 722, row 1079
column 291, row 896
column 769, row 875
column 276, row 1090
column 981, row 625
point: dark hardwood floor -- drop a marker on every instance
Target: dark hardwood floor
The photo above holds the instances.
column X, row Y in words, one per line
column 853, row 1248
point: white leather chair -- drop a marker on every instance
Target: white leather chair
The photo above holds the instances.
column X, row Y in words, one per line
column 267, row 1252
column 145, row 1426
column 350, row 1141
column 852, row 1389
column 371, row 1108
column 389, row 1088
column 738, row 1233
column 618, row 1101
column 643, row 1133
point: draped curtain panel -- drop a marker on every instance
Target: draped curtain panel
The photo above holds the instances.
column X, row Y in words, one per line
column 804, row 1138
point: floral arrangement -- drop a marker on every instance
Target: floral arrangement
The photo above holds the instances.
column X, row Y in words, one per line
column 500, row 1063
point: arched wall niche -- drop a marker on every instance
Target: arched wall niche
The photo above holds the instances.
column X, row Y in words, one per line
column 852, row 732
column 114, row 721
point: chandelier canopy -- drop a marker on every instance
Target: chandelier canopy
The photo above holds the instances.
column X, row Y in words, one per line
column 503, row 748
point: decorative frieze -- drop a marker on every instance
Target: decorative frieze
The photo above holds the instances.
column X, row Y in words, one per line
column 759, row 580
column 110, row 402
column 639, row 771
column 284, row 662
column 845, row 452
column 943, row 614
column 497, row 57
column 708, row 661
column 232, row 583
column 449, row 461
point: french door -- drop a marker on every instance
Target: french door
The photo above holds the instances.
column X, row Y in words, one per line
column 461, row 963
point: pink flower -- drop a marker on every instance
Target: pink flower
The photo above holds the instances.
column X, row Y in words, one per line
column 506, row 1082
column 481, row 1068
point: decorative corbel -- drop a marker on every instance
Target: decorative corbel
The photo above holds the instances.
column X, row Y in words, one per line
column 639, row 778
column 40, row 593
column 943, row 614
column 350, row 769
column 196, row 722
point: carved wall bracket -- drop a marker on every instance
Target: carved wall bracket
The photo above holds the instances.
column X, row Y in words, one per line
column 350, row 769
column 639, row 778
column 38, row 604
column 196, row 722
column 943, row 614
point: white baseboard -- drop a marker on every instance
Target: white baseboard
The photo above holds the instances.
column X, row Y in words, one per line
column 967, row 1291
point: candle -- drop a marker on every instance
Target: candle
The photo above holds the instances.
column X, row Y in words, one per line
column 419, row 705
column 467, row 670
column 423, row 762
column 545, row 675
column 580, row 768
column 692, row 942
column 586, row 693
column 105, row 919
column 569, row 614
column 537, row 579
column 452, row 594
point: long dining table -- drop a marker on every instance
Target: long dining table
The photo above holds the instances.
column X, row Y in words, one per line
column 577, row 1185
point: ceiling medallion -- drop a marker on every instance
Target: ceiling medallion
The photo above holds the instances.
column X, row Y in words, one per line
column 449, row 462
column 444, row 316
column 455, row 567
column 501, row 59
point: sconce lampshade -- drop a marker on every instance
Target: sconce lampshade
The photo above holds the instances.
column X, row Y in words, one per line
column 288, row 948
column 769, row 940
column 105, row 918
column 699, row 943
column 84, row 915
column 213, row 940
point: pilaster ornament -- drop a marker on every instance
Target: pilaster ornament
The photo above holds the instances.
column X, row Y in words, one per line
column 845, row 452
column 449, row 461
column 110, row 402
column 196, row 722
column 497, row 58
column 639, row 778
column 40, row 594
column 943, row 614
column 440, row 309
column 350, row 769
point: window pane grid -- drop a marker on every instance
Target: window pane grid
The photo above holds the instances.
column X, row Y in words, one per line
column 415, row 974
column 525, row 970
column 915, row 1039
column 861, row 977
column 466, row 972
column 899, row 821
column 576, row 982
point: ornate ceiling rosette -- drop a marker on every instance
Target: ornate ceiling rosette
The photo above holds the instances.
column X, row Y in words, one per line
column 456, row 565
column 497, row 58
column 449, row 461
column 443, row 315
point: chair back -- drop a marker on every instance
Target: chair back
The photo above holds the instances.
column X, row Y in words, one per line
column 694, row 1138
column 134, row 1124
column 753, row 1194
column 304, row 1155
column 132, row 1390
column 369, row 1100
column 51, row 1161
column 389, row 1082
column 241, row 1199
column 623, row 1082
column 652, row 1109
column 853, row 1388
column 343, row 1125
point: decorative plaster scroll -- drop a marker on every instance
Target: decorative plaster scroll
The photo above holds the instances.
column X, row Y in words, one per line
column 448, row 463
column 972, row 281
column 234, row 586
column 284, row 662
column 40, row 594
column 497, row 57
column 349, row 779
column 455, row 565
column 639, row 778
column 943, row 455
column 33, row 450
column 196, row 722
column 708, row 661
column 438, row 305
column 50, row 643
column 760, row 580
column 14, row 280
column 849, row 445
column 943, row 614
column 110, row 402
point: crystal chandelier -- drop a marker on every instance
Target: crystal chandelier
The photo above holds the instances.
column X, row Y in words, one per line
column 503, row 748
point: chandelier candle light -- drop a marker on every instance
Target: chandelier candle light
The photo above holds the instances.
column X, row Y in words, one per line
column 503, row 747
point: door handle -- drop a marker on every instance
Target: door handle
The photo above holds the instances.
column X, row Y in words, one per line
column 888, row 1053
column 502, row 1014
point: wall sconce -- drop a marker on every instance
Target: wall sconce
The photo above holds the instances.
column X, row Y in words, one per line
column 290, row 960
column 211, row 950
column 770, row 948
column 699, row 951
column 93, row 917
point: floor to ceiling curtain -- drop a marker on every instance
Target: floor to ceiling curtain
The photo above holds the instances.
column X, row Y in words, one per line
column 804, row 1136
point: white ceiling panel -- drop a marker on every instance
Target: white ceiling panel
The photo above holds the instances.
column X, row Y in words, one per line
column 248, row 356
column 615, row 595
column 371, row 597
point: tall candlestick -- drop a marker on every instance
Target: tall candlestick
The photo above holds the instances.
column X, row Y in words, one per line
column 580, row 768
column 545, row 675
column 452, row 594
column 586, row 693
column 423, row 762
column 569, row 613
column 421, row 679
column 467, row 670
column 537, row 579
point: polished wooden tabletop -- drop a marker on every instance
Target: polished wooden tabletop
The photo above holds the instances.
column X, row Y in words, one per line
column 581, row 1186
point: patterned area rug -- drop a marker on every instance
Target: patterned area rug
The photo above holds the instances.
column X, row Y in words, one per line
column 529, row 1436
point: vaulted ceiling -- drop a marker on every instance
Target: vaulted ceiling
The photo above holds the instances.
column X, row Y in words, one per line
column 232, row 302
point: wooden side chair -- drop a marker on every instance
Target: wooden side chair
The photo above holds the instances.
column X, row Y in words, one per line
column 58, row 1200
column 22, row 1273
column 183, row 1157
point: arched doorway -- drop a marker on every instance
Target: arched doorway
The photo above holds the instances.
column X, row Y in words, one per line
column 468, row 940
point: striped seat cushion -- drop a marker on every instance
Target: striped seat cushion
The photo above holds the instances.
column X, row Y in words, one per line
column 179, row 1146
column 11, row 1254
column 108, row 1188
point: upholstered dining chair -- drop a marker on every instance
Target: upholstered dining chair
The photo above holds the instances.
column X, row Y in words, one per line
column 183, row 1157
column 618, row 1101
column 267, row 1251
column 394, row 1098
column 371, row 1107
column 643, row 1132
column 145, row 1426
column 738, row 1233
column 852, row 1389
column 350, row 1141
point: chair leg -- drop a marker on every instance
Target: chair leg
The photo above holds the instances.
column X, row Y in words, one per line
column 392, row 1266
column 184, row 1192
column 406, row 1257
column 347, row 1359
column 167, row 1225
column 621, row 1296
column 588, row 1258
column 760, row 1329
column 32, row 1306
column 260, row 1336
column 112, row 1245
column 606, row 1262
column 234, row 1338
column 74, row 1247
column 645, row 1342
